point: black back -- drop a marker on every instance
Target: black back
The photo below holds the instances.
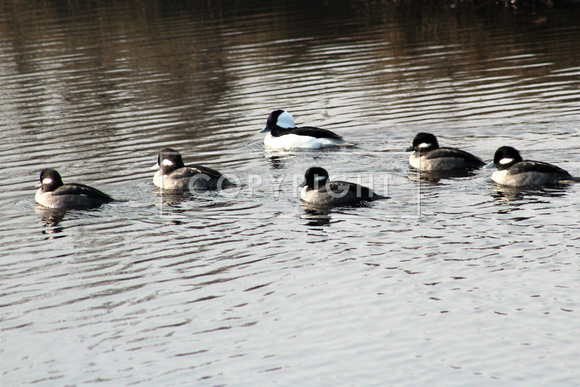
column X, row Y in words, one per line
column 311, row 131
column 308, row 131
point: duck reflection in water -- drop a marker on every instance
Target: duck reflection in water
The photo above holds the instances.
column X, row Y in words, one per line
column 279, row 158
column 51, row 217
column 316, row 216
column 434, row 177
column 172, row 198
column 504, row 195
column 187, row 205
column 277, row 161
column 322, row 216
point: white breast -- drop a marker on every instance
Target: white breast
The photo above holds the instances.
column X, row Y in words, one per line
column 415, row 160
column 499, row 177
column 294, row 141
column 303, row 193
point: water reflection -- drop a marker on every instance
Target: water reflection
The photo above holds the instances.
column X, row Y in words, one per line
column 283, row 159
column 322, row 215
column 96, row 88
column 173, row 198
column 433, row 177
column 505, row 195
column 316, row 216
column 278, row 161
column 50, row 220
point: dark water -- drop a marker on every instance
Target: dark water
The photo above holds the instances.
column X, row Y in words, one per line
column 449, row 282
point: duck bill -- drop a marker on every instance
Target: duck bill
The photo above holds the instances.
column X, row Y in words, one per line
column 155, row 167
column 265, row 130
column 489, row 166
column 303, row 184
column 410, row 149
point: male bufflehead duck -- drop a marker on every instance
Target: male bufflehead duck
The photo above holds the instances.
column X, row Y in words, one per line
column 427, row 155
column 513, row 171
column 53, row 193
column 319, row 191
column 283, row 134
column 174, row 175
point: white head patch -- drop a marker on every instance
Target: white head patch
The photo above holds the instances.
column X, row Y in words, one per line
column 47, row 180
column 167, row 162
column 286, row 121
column 320, row 178
column 505, row 161
column 424, row 145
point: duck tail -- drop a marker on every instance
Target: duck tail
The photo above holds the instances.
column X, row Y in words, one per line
column 571, row 179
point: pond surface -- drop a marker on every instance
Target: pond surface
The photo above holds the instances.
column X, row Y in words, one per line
column 448, row 282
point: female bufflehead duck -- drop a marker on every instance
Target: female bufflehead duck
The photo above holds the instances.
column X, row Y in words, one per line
column 514, row 172
column 283, row 134
column 427, row 155
column 318, row 190
column 174, row 175
column 53, row 193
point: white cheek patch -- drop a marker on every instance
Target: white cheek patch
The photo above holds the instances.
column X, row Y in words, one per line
column 285, row 120
column 505, row 161
column 320, row 178
column 424, row 145
column 167, row 162
column 47, row 180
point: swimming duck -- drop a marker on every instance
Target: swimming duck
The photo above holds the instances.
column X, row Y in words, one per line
column 53, row 193
column 283, row 134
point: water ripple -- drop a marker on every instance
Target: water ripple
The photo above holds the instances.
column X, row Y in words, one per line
column 246, row 286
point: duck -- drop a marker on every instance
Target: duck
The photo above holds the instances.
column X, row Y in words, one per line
column 173, row 174
column 513, row 171
column 428, row 156
column 283, row 134
column 53, row 193
column 318, row 190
